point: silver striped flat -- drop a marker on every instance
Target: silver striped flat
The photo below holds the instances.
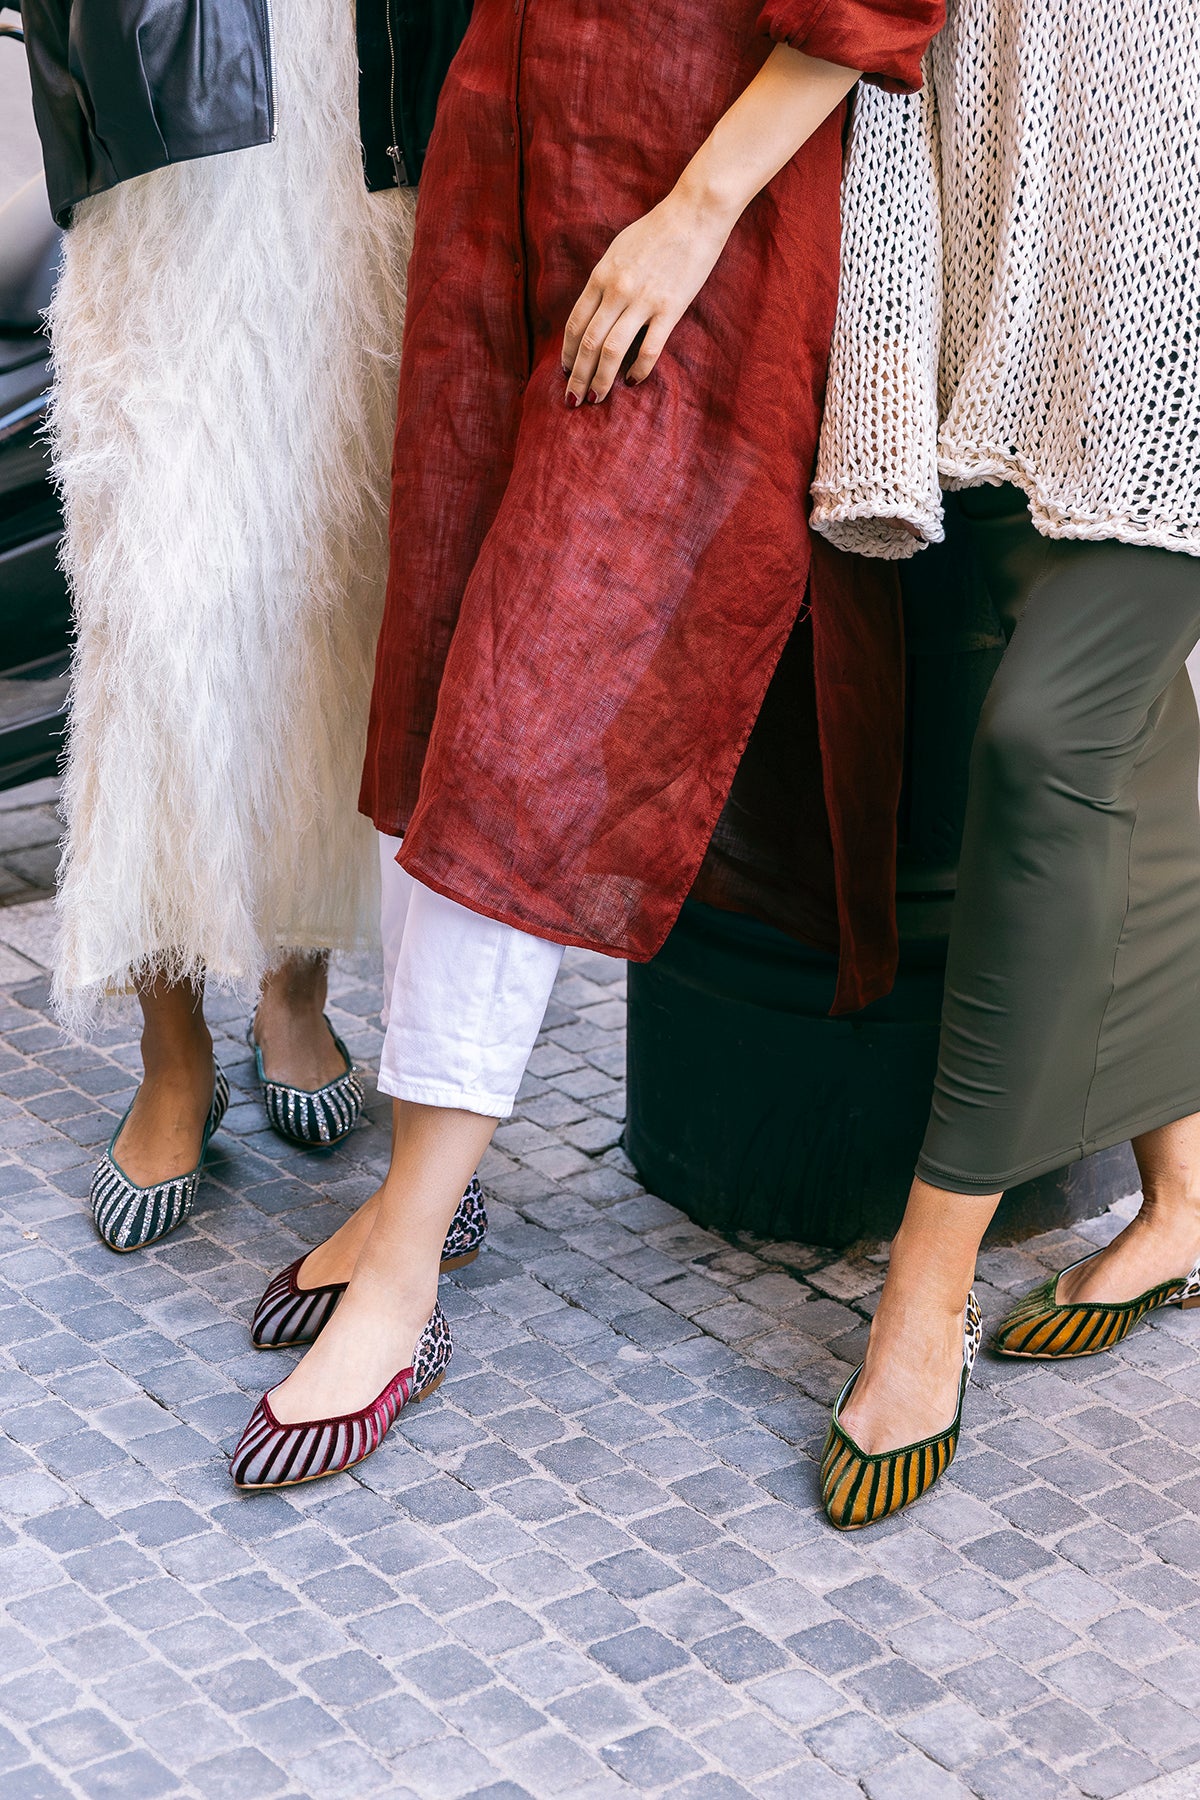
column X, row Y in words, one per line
column 129, row 1217
column 288, row 1314
column 273, row 1455
column 312, row 1116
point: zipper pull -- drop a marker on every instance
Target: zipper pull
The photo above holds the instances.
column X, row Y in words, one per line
column 399, row 164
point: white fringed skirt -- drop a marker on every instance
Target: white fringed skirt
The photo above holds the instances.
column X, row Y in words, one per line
column 226, row 338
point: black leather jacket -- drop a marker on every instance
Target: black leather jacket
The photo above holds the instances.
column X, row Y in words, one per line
column 121, row 87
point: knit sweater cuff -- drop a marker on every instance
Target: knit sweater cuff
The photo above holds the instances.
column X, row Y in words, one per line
column 872, row 524
column 886, row 39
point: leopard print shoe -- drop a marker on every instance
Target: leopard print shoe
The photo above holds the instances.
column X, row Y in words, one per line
column 273, row 1455
column 288, row 1315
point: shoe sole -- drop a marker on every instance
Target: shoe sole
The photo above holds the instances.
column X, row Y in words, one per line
column 266, row 1487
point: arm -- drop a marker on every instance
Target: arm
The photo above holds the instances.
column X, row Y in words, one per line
column 654, row 269
column 876, row 490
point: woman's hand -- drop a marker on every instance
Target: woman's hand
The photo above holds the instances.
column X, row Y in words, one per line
column 642, row 287
column 637, row 294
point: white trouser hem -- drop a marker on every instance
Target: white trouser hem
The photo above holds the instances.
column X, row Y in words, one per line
column 428, row 1093
column 464, row 998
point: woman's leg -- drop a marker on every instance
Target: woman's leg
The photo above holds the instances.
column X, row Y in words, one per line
column 334, row 1260
column 466, row 1006
column 289, row 1026
column 162, row 1136
column 1072, row 994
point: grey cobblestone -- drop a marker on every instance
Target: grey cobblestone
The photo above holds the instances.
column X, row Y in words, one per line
column 595, row 1567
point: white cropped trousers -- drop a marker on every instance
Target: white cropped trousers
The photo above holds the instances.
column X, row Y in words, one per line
column 463, row 997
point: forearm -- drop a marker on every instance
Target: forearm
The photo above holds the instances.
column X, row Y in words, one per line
column 791, row 95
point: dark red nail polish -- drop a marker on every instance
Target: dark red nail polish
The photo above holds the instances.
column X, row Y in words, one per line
column 572, row 401
column 593, row 399
column 631, row 381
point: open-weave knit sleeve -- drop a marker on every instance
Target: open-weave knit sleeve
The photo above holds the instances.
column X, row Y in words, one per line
column 877, row 467
column 886, row 39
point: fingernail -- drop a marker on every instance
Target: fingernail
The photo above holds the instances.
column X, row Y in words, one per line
column 631, row 381
column 593, row 398
column 572, row 400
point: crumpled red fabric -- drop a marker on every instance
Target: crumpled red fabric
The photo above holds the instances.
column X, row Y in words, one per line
column 585, row 609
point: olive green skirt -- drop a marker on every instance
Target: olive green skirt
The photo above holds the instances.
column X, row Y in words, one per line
column 1072, row 1013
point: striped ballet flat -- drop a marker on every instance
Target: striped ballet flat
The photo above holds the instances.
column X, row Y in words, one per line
column 129, row 1217
column 1040, row 1328
column 857, row 1489
column 317, row 1116
column 272, row 1455
column 288, row 1314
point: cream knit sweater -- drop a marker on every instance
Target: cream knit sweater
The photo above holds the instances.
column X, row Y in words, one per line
column 1020, row 290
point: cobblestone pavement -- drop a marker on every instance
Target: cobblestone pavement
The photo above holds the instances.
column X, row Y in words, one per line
column 593, row 1566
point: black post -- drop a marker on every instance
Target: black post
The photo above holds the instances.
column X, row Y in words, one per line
column 749, row 1107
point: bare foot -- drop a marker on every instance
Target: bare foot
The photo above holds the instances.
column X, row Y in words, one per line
column 908, row 1389
column 290, row 1029
column 370, row 1338
column 162, row 1136
column 334, row 1260
column 1157, row 1245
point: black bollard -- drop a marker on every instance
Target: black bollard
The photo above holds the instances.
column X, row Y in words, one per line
column 749, row 1107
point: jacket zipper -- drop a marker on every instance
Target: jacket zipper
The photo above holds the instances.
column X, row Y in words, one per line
column 265, row 14
column 394, row 149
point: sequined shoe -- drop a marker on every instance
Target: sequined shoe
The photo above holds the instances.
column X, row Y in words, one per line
column 1038, row 1327
column 316, row 1116
column 129, row 1217
column 858, row 1489
column 288, row 1314
column 272, row 1455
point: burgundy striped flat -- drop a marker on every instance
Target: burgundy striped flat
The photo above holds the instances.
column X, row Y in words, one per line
column 272, row 1455
column 288, row 1314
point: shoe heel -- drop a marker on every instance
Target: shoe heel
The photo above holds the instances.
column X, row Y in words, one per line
column 430, row 1388
column 1192, row 1300
column 459, row 1262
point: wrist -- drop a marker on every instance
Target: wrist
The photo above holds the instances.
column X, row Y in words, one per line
column 711, row 196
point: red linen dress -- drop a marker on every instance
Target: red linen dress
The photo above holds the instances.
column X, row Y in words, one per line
column 585, row 608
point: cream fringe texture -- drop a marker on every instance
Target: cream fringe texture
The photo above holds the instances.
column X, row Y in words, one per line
column 226, row 338
column 1020, row 289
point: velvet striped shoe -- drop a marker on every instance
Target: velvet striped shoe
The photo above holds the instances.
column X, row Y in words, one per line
column 312, row 1116
column 1040, row 1328
column 129, row 1217
column 272, row 1455
column 288, row 1314
column 858, row 1489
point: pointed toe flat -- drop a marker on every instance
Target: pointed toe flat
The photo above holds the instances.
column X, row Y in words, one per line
column 271, row 1454
column 129, row 1217
column 312, row 1117
column 1045, row 1330
column 860, row 1489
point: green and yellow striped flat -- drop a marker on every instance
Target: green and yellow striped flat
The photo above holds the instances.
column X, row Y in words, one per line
column 858, row 1489
column 1040, row 1328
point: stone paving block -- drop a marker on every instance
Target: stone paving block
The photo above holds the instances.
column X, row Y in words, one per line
column 651, row 1758
column 1111, row 1772
column 853, row 1744
column 911, row 1778
column 995, row 1686
column 638, row 1655
column 1154, row 1724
